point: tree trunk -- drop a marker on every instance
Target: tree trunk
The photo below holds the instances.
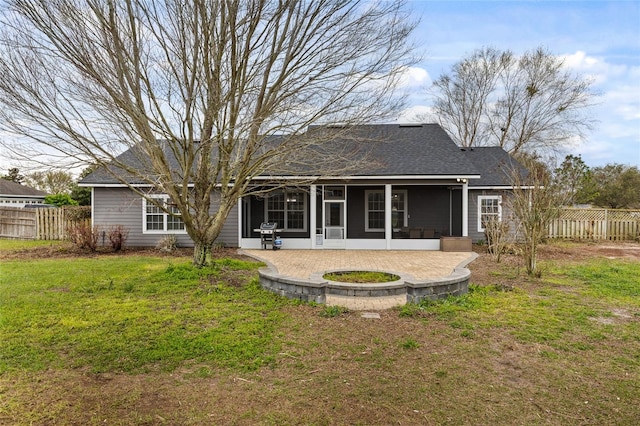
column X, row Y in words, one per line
column 201, row 254
column 531, row 259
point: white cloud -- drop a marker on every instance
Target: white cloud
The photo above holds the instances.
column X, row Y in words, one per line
column 597, row 68
column 623, row 101
column 414, row 77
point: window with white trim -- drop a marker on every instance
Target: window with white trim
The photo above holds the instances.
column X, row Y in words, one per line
column 288, row 209
column 157, row 220
column 489, row 208
column 374, row 209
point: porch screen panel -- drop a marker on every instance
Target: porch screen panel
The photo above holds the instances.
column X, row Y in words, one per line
column 399, row 208
column 295, row 210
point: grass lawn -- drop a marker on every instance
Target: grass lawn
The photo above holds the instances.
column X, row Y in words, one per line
column 140, row 338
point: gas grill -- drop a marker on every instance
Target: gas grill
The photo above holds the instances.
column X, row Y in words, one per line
column 270, row 235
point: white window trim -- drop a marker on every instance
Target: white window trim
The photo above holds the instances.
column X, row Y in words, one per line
column 381, row 191
column 165, row 215
column 305, row 210
column 481, row 198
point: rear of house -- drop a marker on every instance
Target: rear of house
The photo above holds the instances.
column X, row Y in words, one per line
column 422, row 188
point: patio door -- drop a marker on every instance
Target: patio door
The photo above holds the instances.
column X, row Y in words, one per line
column 334, row 220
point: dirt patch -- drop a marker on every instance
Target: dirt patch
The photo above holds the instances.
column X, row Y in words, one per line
column 58, row 250
column 579, row 251
column 510, row 271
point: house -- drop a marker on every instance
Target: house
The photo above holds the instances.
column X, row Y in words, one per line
column 420, row 186
column 13, row 194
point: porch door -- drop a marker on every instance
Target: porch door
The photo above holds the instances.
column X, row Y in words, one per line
column 334, row 220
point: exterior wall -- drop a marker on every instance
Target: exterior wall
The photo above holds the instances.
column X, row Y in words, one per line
column 476, row 235
column 121, row 206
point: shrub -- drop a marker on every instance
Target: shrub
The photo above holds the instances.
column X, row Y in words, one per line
column 83, row 235
column 496, row 233
column 60, row 200
column 117, row 235
column 77, row 213
column 168, row 243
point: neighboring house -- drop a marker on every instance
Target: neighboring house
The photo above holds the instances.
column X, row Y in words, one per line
column 13, row 194
column 421, row 188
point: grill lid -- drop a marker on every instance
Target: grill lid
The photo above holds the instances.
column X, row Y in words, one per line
column 268, row 226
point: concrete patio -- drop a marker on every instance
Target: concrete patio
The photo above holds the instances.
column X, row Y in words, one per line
column 411, row 265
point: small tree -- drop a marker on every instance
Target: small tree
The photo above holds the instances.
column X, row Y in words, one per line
column 535, row 202
column 576, row 181
column 82, row 194
column 497, row 235
column 618, row 186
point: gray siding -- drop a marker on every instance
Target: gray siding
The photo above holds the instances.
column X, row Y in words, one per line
column 476, row 235
column 121, row 206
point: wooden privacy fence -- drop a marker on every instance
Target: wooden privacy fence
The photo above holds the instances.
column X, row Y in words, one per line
column 596, row 224
column 40, row 223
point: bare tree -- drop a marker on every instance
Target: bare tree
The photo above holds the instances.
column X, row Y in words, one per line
column 461, row 99
column 525, row 103
column 218, row 83
column 535, row 201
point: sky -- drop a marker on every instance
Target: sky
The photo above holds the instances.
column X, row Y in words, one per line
column 597, row 39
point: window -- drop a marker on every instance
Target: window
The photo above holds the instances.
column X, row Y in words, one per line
column 156, row 220
column 374, row 209
column 489, row 208
column 288, row 209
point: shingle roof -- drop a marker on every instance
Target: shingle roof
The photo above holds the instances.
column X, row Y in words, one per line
column 409, row 150
column 397, row 150
column 495, row 165
column 9, row 188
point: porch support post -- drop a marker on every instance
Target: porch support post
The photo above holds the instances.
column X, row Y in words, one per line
column 313, row 199
column 465, row 209
column 388, row 225
column 240, row 222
